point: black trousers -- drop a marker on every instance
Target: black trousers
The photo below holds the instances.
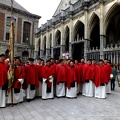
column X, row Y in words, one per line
column 112, row 84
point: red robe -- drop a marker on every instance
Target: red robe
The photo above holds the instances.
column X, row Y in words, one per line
column 71, row 76
column 108, row 70
column 19, row 74
column 78, row 73
column 47, row 71
column 67, row 65
column 60, row 73
column 81, row 66
column 31, row 75
column 100, row 76
column 3, row 74
column 54, row 67
column 92, row 72
column 86, row 73
column 39, row 70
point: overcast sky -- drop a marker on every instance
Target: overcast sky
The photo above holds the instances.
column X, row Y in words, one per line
column 44, row 8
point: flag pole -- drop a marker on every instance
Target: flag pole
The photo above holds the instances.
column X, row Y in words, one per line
column 11, row 43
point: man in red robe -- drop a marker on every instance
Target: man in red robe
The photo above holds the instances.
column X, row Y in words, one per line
column 71, row 91
column 107, row 75
column 47, row 83
column 39, row 67
column 68, row 63
column 93, row 70
column 31, row 79
column 88, row 85
column 19, row 76
column 61, row 79
column 81, row 67
column 3, row 80
column 100, row 81
column 77, row 66
column 54, row 64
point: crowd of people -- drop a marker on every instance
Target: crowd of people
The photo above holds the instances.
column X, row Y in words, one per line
column 60, row 78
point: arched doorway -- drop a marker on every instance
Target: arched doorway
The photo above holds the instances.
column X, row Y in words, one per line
column 25, row 55
column 78, row 44
column 113, row 28
column 56, row 51
column 67, row 33
column 113, row 35
column 95, row 32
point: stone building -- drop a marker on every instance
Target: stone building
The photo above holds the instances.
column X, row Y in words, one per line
column 82, row 28
column 26, row 24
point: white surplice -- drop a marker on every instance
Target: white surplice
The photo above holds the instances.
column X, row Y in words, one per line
column 88, row 89
column 46, row 95
column 2, row 97
column 100, row 92
column 72, row 92
column 60, row 90
column 30, row 94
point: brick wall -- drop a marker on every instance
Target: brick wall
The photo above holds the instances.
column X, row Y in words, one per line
column 19, row 30
column 2, row 21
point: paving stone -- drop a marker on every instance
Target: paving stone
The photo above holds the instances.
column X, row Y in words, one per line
column 82, row 108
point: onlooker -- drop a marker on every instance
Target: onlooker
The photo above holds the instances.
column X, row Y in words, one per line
column 114, row 70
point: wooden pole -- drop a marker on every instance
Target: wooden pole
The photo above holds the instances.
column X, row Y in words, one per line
column 12, row 46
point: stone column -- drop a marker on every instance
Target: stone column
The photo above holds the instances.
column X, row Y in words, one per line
column 52, row 52
column 41, row 48
column 53, row 42
column 70, row 50
column 102, row 34
column 62, row 50
column 42, row 54
column 86, row 42
column 36, row 48
column 48, row 56
column 62, row 44
column 47, row 46
column 71, row 36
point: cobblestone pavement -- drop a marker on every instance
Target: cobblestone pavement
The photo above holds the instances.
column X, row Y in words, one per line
column 81, row 108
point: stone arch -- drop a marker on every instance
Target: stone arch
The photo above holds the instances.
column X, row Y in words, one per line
column 112, row 24
column 78, row 30
column 57, row 38
column 109, row 14
column 91, row 22
column 94, row 30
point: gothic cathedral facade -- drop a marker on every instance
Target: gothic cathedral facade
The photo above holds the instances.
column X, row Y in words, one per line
column 87, row 29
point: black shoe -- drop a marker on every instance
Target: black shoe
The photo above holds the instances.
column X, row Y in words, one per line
column 28, row 100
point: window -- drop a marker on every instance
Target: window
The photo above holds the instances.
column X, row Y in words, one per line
column 8, row 21
column 26, row 32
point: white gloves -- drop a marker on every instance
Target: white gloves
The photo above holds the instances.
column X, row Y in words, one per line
column 50, row 79
column 44, row 80
column 21, row 81
column 111, row 75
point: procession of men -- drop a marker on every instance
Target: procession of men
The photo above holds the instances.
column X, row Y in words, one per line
column 59, row 78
